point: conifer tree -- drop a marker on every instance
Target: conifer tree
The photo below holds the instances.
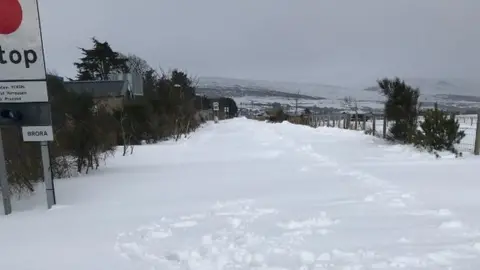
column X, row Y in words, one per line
column 401, row 107
column 99, row 62
column 439, row 131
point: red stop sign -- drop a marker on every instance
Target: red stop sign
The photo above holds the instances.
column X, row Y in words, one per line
column 11, row 16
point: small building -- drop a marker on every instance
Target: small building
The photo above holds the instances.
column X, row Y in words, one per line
column 358, row 115
column 109, row 93
column 113, row 93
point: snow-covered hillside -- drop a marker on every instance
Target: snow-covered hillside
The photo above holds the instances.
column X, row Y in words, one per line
column 452, row 93
column 244, row 194
column 428, row 87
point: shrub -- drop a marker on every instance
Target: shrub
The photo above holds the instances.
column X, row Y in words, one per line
column 439, row 131
column 278, row 116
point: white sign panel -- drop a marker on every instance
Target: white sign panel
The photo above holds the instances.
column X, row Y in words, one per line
column 21, row 51
column 215, row 106
column 21, row 92
column 37, row 133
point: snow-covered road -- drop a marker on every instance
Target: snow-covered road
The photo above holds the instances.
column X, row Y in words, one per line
column 248, row 195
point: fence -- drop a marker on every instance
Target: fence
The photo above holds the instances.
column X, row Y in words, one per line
column 377, row 125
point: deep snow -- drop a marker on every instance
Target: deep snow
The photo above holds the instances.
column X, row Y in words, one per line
column 244, row 194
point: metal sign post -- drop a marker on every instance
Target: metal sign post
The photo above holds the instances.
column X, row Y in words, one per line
column 23, row 85
column 47, row 175
column 7, row 205
column 215, row 111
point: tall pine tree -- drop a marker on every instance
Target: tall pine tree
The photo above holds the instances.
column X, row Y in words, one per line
column 99, row 62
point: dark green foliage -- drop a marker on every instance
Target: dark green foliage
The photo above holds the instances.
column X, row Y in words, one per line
column 276, row 105
column 87, row 130
column 99, row 62
column 202, row 103
column 439, row 131
column 401, row 107
column 90, row 129
column 135, row 124
column 277, row 116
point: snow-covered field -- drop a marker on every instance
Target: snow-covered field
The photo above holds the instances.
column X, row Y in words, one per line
column 244, row 194
column 468, row 124
column 246, row 102
column 432, row 90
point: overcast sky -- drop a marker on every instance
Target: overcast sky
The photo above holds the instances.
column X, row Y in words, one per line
column 341, row 42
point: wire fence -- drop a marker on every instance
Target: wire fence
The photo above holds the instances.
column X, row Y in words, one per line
column 375, row 124
column 468, row 123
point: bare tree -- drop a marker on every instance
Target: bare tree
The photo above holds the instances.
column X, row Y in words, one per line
column 137, row 64
column 351, row 104
column 126, row 136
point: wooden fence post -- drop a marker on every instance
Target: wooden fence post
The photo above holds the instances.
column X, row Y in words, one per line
column 373, row 124
column 476, row 150
column 384, row 125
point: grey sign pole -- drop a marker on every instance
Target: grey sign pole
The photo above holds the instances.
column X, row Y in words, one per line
column 47, row 169
column 47, row 175
column 7, row 204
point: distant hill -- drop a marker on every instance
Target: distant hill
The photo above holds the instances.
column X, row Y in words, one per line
column 453, row 93
column 242, row 91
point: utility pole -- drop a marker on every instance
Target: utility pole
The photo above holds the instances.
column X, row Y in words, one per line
column 296, row 103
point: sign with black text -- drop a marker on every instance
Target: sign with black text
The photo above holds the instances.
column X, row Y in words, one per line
column 21, row 53
column 37, row 133
column 22, row 92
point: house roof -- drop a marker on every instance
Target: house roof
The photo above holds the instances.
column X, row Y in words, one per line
column 98, row 89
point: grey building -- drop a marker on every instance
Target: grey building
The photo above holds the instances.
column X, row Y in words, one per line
column 112, row 93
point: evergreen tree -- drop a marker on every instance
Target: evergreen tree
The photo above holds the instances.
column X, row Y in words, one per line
column 99, row 62
column 439, row 131
column 401, row 107
column 277, row 116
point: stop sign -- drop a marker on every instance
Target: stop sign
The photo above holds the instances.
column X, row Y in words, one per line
column 11, row 16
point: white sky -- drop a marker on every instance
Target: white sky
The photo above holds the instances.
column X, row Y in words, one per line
column 341, row 42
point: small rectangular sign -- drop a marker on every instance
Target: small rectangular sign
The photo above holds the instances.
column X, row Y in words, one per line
column 23, row 92
column 215, row 106
column 37, row 133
